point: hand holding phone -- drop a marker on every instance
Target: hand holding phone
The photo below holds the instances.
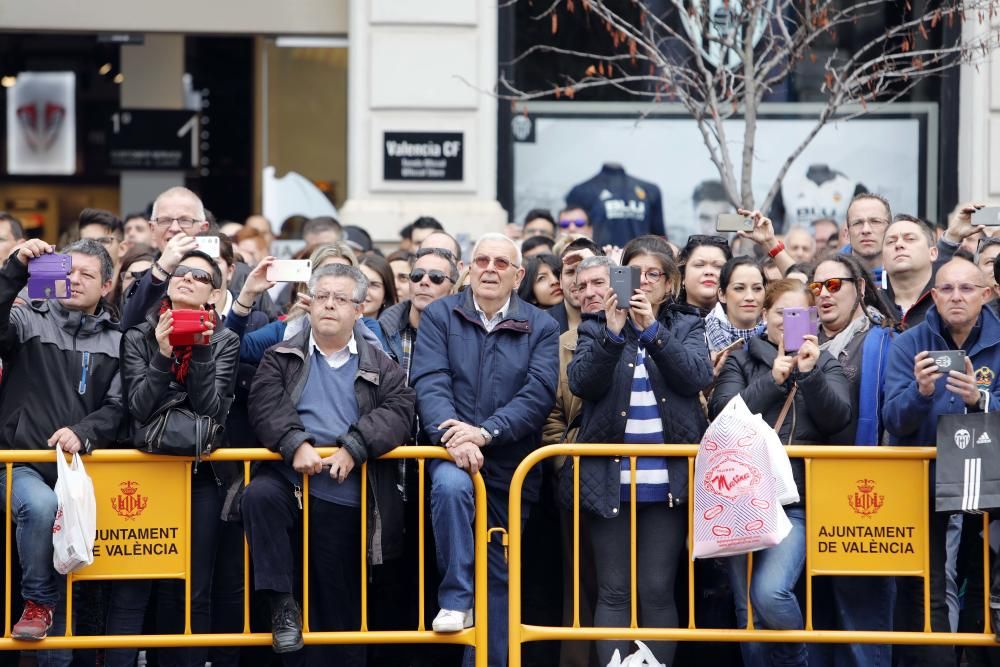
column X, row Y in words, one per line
column 988, row 216
column 189, row 327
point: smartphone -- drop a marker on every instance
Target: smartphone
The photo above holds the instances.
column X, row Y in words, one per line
column 733, row 222
column 290, row 271
column 988, row 216
column 948, row 360
column 48, row 276
column 208, row 245
column 625, row 281
column 735, row 345
column 799, row 323
column 188, row 327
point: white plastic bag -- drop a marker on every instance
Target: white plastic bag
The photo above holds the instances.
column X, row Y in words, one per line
column 75, row 526
column 786, row 491
column 736, row 507
column 643, row 657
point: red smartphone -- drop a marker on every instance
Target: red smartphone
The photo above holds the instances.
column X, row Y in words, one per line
column 188, row 327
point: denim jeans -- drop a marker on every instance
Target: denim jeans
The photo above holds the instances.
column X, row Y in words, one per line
column 772, row 594
column 33, row 505
column 453, row 511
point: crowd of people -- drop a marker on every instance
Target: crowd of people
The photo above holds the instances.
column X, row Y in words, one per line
column 488, row 352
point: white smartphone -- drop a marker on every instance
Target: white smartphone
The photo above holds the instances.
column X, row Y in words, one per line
column 208, row 245
column 290, row 271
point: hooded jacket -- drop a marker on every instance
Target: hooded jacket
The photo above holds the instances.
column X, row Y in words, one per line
column 60, row 369
column 385, row 406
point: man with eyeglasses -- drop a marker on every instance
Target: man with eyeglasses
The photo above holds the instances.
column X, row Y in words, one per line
column 485, row 368
column 917, row 393
column 178, row 216
column 322, row 387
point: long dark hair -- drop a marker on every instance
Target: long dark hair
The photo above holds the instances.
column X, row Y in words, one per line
column 526, row 291
column 871, row 299
column 694, row 242
column 380, row 266
column 726, row 275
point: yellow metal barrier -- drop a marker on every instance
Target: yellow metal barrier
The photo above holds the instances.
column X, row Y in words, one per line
column 474, row 636
column 911, row 556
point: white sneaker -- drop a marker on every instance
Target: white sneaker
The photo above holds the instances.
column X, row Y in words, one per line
column 451, row 620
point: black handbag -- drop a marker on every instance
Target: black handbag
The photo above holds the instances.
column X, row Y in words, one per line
column 178, row 431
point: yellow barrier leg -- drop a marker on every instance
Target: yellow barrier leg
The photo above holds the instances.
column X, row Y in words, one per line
column 421, row 527
column 633, row 558
column 246, row 562
column 986, row 574
column 187, row 551
column 305, row 553
column 576, row 541
column 809, row 579
column 690, row 543
column 481, row 599
column 364, row 547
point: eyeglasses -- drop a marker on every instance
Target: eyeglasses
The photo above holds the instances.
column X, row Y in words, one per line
column 184, row 222
column 965, row 289
column 832, row 285
column 500, row 263
column 339, row 300
column 198, row 275
column 577, row 222
column 653, row 275
column 437, row 277
column 873, row 222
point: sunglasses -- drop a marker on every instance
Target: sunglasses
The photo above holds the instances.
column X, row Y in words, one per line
column 437, row 277
column 832, row 285
column 483, row 262
column 578, row 222
column 198, row 275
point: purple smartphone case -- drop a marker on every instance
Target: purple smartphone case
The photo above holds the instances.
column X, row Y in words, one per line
column 799, row 322
column 48, row 276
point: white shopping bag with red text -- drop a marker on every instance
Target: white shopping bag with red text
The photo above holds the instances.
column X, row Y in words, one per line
column 75, row 525
column 736, row 506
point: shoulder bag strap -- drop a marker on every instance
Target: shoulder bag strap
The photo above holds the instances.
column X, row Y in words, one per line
column 785, row 408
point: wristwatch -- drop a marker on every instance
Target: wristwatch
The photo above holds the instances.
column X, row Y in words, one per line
column 486, row 436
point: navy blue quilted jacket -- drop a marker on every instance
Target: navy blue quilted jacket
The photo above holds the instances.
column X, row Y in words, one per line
column 601, row 374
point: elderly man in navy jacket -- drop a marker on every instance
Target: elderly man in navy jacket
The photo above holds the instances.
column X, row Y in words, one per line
column 916, row 394
column 485, row 369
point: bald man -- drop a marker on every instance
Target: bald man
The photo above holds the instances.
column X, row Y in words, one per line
column 917, row 393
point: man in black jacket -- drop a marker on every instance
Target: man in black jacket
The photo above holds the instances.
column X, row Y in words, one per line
column 61, row 388
column 324, row 387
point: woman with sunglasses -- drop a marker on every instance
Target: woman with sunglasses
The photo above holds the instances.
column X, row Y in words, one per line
column 812, row 383
column 856, row 329
column 638, row 367
column 540, row 286
column 202, row 376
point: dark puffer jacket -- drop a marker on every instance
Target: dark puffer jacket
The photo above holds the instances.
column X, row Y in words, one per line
column 601, row 374
column 821, row 408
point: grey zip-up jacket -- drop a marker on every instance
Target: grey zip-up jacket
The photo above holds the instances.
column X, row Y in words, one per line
column 60, row 370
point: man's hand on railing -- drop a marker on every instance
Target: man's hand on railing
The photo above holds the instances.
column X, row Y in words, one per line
column 307, row 460
column 68, row 440
column 467, row 457
column 341, row 464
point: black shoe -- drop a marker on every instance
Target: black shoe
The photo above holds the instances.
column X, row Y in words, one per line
column 286, row 625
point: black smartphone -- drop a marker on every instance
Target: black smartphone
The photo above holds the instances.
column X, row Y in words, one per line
column 948, row 360
column 625, row 281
